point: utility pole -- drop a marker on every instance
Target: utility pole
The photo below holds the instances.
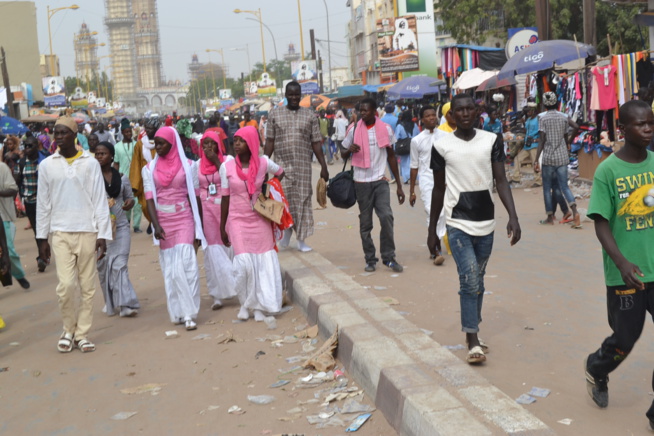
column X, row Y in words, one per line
column 313, row 44
column 543, row 19
column 590, row 30
column 322, row 88
column 5, row 81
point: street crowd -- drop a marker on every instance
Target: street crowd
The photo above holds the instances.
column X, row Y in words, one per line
column 196, row 183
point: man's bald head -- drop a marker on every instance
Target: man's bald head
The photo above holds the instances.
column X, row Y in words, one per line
column 629, row 110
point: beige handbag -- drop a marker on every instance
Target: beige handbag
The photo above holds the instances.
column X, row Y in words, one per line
column 268, row 208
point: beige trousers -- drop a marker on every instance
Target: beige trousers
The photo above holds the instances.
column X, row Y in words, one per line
column 76, row 268
column 521, row 157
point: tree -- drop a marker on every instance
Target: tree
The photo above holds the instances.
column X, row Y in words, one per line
column 474, row 21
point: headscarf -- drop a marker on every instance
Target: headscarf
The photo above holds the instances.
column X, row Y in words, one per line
column 169, row 165
column 169, row 121
column 184, row 128
column 113, row 189
column 176, row 154
column 549, row 99
column 251, row 137
column 340, row 115
column 446, row 108
column 148, row 144
column 206, row 166
column 124, row 124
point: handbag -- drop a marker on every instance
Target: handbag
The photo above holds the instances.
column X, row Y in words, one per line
column 403, row 147
column 341, row 189
column 268, row 208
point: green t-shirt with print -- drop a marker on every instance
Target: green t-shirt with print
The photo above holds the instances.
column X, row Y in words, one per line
column 623, row 194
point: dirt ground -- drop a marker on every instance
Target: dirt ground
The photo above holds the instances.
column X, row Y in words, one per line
column 184, row 385
column 544, row 310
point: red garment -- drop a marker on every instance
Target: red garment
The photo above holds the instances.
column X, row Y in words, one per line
column 604, row 94
column 277, row 193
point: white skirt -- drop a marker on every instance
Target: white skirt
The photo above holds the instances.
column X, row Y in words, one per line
column 179, row 266
column 258, row 281
column 220, row 272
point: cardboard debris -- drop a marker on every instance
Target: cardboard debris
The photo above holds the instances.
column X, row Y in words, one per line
column 310, row 333
column 152, row 388
column 122, row 416
column 228, row 337
column 323, row 358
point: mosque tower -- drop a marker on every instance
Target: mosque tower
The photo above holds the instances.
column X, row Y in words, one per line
column 119, row 21
column 86, row 54
column 146, row 40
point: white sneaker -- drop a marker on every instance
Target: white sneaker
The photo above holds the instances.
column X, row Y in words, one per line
column 127, row 312
column 190, row 324
column 243, row 314
column 303, row 247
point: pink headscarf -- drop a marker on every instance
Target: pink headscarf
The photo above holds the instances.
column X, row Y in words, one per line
column 169, row 165
column 206, row 166
column 251, row 137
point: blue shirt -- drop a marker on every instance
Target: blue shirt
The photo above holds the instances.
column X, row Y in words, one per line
column 495, row 127
column 532, row 131
column 391, row 120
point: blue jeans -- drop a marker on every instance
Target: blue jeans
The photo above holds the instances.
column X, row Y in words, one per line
column 552, row 174
column 471, row 255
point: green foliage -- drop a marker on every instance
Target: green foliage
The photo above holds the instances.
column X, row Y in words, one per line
column 474, row 21
column 90, row 84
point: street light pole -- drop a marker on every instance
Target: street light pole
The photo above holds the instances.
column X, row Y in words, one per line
column 51, row 12
column 299, row 14
column 329, row 47
column 257, row 14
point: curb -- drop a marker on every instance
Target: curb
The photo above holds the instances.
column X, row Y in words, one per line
column 419, row 386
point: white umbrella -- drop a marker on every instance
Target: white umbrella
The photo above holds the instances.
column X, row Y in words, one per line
column 473, row 78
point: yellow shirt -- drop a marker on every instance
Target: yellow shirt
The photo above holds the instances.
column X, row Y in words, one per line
column 445, row 127
column 70, row 160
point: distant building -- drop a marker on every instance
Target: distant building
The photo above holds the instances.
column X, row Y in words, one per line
column 119, row 21
column 86, row 53
column 146, row 42
column 209, row 71
column 292, row 55
column 19, row 39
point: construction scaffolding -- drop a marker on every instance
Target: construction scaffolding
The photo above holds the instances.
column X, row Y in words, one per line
column 86, row 54
column 119, row 20
column 146, row 41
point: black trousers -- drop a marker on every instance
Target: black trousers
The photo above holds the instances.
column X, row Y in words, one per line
column 599, row 117
column 627, row 309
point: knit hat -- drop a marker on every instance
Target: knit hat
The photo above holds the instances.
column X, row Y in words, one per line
column 68, row 122
column 549, row 99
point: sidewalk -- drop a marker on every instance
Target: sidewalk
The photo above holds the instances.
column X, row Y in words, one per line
column 421, row 387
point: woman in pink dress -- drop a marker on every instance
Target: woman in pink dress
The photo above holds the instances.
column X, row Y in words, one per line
column 217, row 257
column 171, row 193
column 257, row 275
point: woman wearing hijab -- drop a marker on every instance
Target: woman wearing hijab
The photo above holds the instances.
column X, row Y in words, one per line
column 171, row 190
column 405, row 128
column 257, row 275
column 143, row 155
column 117, row 289
column 217, row 257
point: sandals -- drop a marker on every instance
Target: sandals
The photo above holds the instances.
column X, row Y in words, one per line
column 476, row 355
column 567, row 218
column 546, row 222
column 65, row 344
column 577, row 222
column 484, row 346
column 85, row 346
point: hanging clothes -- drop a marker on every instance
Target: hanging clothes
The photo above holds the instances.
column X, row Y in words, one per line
column 604, row 96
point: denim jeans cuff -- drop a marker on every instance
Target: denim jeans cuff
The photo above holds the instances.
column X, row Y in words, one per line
column 469, row 330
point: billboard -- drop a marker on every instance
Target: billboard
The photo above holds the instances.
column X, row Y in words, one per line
column 266, row 86
column 423, row 10
column 397, row 42
column 54, row 91
column 225, row 94
column 79, row 99
column 304, row 72
column 520, row 39
column 250, row 89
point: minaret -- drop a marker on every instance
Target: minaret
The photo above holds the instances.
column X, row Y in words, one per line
column 86, row 54
column 146, row 39
column 119, row 20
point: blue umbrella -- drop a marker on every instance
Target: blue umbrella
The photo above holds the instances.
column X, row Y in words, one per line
column 544, row 55
column 11, row 126
column 413, row 87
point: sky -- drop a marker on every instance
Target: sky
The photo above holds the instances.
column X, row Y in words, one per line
column 192, row 26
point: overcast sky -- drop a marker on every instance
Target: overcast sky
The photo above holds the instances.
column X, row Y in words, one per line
column 192, row 26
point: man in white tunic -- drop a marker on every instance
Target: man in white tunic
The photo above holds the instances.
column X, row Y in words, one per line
column 421, row 146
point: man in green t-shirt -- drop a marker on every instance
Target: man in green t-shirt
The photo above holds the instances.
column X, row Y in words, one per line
column 622, row 206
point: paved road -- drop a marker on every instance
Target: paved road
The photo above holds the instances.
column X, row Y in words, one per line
column 544, row 313
column 44, row 392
